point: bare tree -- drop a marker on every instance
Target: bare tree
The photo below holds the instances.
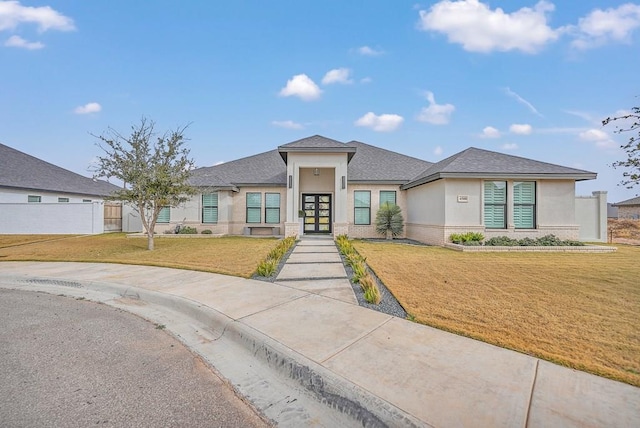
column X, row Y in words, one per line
column 632, row 148
column 155, row 173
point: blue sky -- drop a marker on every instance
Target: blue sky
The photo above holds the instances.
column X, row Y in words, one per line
column 428, row 79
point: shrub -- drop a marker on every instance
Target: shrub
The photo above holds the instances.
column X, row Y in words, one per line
column 389, row 220
column 468, row 238
column 207, row 232
column 501, row 241
column 359, row 271
column 370, row 288
column 544, row 241
column 187, row 230
column 269, row 265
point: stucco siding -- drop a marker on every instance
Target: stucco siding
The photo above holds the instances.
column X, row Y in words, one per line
column 425, row 204
column 556, row 203
column 463, row 202
column 21, row 196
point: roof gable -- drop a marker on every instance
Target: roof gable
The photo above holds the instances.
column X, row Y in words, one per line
column 474, row 162
column 316, row 144
column 22, row 171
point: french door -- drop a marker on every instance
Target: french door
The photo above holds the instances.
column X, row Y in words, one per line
column 317, row 213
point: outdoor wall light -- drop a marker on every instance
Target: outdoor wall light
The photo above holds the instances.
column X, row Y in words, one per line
column 291, row 182
column 316, row 172
column 344, row 182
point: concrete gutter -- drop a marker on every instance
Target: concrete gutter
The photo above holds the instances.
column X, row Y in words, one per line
column 307, row 359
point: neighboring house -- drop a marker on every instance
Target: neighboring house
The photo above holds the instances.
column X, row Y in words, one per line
column 317, row 185
column 38, row 197
column 629, row 208
column 612, row 211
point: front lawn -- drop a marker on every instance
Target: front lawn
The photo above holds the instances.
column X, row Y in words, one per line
column 238, row 256
column 579, row 310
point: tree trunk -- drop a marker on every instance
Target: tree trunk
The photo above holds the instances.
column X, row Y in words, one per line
column 150, row 244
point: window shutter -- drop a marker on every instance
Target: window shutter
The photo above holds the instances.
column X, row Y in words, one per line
column 165, row 215
column 387, row 196
column 495, row 198
column 524, row 199
column 210, row 208
column 272, row 207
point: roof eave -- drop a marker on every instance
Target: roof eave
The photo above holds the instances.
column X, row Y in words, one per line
column 284, row 151
column 519, row 176
column 67, row 192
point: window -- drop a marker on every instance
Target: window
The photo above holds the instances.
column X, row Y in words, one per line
column 86, row 200
column 165, row 215
column 272, row 207
column 33, row 198
column 210, row 208
column 495, row 204
column 387, row 196
column 524, row 205
column 63, row 199
column 362, row 207
column 254, row 205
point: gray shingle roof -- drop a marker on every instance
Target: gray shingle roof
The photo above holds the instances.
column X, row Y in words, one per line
column 265, row 168
column 474, row 162
column 373, row 164
column 632, row 201
column 19, row 170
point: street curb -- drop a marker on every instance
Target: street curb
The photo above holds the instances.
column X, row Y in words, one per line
column 336, row 401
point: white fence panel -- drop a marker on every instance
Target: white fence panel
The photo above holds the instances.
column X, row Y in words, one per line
column 52, row 218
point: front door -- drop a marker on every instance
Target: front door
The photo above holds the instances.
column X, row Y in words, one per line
column 317, row 213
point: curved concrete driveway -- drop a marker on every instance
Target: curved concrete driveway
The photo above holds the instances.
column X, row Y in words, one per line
column 69, row 363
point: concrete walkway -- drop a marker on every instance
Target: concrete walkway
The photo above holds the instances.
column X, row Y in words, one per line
column 304, row 357
column 315, row 266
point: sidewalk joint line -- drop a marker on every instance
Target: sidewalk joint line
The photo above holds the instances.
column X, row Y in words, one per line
column 357, row 339
column 533, row 386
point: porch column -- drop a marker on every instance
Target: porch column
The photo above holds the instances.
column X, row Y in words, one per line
column 291, row 225
column 341, row 207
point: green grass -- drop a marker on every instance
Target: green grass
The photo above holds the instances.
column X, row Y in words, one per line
column 579, row 310
column 235, row 255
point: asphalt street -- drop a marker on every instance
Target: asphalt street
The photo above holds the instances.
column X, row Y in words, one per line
column 67, row 362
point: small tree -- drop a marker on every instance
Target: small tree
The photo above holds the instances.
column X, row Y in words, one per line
column 155, row 175
column 632, row 148
column 389, row 221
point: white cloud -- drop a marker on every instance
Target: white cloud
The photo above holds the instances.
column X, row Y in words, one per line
column 477, row 28
column 604, row 26
column 490, row 132
column 337, row 75
column 365, row 80
column 12, row 14
column 19, row 42
column 367, row 51
column 287, row 124
column 88, row 108
column 520, row 129
column 436, row 114
column 599, row 137
column 301, row 86
column 522, row 101
column 510, row 146
column 381, row 123
column 437, row 151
